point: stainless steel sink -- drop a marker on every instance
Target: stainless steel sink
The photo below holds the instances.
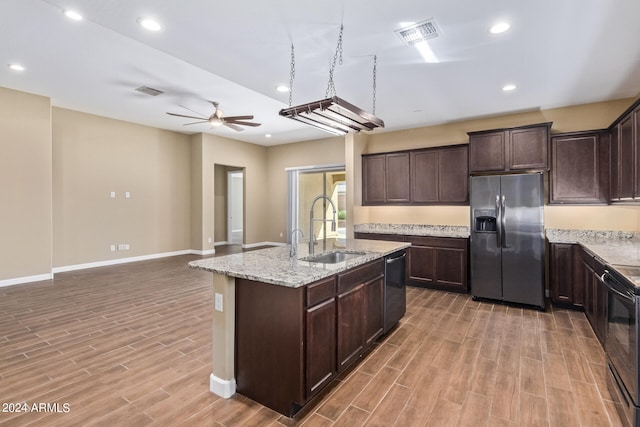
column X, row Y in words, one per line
column 333, row 257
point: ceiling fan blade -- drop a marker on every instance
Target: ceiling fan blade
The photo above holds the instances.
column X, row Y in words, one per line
column 195, row 123
column 238, row 122
column 232, row 126
column 233, row 118
column 188, row 117
column 193, row 111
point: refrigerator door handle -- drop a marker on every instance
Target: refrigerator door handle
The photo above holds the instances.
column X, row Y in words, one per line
column 503, row 223
column 498, row 222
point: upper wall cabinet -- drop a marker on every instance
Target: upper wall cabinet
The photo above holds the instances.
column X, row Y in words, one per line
column 580, row 168
column 514, row 149
column 440, row 176
column 419, row 177
column 385, row 178
column 625, row 153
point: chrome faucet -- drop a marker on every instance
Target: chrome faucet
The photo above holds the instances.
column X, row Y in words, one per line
column 312, row 237
column 293, row 252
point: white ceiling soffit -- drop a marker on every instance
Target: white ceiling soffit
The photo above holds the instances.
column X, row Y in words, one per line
column 236, row 53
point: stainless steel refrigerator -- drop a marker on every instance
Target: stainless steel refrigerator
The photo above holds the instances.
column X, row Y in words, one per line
column 507, row 238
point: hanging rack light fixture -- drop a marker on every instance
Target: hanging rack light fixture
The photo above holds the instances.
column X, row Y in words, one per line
column 332, row 114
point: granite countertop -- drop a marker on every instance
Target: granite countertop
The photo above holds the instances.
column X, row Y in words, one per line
column 414, row 230
column 612, row 247
column 273, row 265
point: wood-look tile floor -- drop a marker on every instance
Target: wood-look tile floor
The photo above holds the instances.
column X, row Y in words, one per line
column 130, row 345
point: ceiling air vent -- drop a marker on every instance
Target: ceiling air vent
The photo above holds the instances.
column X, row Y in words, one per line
column 419, row 32
column 149, row 91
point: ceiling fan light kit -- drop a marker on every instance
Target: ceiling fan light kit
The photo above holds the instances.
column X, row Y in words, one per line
column 333, row 114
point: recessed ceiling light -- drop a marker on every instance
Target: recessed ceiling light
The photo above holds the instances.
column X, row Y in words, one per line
column 500, row 27
column 16, row 67
column 282, row 88
column 149, row 24
column 508, row 87
column 71, row 14
column 268, row 135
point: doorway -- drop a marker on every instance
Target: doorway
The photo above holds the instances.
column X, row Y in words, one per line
column 304, row 185
column 235, row 207
column 228, row 211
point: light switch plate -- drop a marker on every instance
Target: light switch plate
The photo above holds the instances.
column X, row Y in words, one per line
column 218, row 302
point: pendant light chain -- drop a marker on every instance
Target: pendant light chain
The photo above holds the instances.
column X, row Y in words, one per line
column 337, row 57
column 375, row 72
column 292, row 74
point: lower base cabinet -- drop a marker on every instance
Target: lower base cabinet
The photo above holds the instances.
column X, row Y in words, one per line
column 433, row 262
column 292, row 342
column 575, row 282
column 595, row 294
column 566, row 285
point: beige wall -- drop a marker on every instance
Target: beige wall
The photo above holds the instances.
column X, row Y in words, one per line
column 308, row 153
column 25, row 185
column 94, row 156
column 582, row 117
column 210, row 150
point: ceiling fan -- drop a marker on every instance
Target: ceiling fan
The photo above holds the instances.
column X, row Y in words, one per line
column 218, row 119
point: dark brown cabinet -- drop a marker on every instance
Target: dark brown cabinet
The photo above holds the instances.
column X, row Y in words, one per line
column 374, row 309
column 320, row 355
column 420, row 177
column 359, row 311
column 291, row 342
column 386, row 178
column 438, row 262
column 433, row 262
column 576, row 282
column 625, row 156
column 397, row 178
column 564, row 288
column 595, row 293
column 580, row 168
column 440, row 176
column 374, row 176
column 501, row 150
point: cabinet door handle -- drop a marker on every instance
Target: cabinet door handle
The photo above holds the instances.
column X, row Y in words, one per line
column 498, row 223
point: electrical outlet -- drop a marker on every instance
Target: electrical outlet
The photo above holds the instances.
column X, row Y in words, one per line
column 218, row 302
column 127, row 195
column 113, row 248
column 113, row 195
column 209, row 239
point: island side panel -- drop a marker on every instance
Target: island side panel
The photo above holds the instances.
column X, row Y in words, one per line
column 269, row 344
column 222, row 381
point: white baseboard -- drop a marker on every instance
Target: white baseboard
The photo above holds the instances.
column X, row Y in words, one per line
column 207, row 252
column 223, row 388
column 26, row 279
column 224, row 242
column 119, row 261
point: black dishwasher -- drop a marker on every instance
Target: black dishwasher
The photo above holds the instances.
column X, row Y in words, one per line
column 395, row 297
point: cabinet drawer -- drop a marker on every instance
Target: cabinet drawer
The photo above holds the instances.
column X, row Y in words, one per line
column 360, row 275
column 439, row 242
column 321, row 291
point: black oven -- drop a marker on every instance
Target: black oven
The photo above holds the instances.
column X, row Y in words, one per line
column 621, row 343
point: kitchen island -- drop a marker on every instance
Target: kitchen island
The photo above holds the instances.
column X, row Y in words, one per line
column 284, row 327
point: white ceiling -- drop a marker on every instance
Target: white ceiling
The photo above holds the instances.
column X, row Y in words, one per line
column 558, row 53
